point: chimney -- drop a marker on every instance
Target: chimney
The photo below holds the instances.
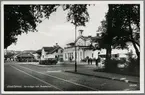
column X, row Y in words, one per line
column 56, row 44
column 80, row 32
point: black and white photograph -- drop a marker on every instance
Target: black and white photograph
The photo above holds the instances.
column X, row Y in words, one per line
column 54, row 47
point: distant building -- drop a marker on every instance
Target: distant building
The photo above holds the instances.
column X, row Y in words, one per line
column 52, row 52
column 25, row 57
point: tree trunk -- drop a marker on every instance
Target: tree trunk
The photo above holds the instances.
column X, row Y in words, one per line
column 108, row 56
column 136, row 50
column 108, row 41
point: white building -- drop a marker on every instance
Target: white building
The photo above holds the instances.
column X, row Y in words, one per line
column 83, row 48
column 51, row 52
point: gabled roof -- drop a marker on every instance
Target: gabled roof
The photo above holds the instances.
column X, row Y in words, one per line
column 48, row 49
column 94, row 39
column 25, row 55
column 39, row 51
column 51, row 50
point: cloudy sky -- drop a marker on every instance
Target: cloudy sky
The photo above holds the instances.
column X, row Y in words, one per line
column 58, row 30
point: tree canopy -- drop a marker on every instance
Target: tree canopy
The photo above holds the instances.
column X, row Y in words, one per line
column 20, row 19
column 122, row 25
column 77, row 14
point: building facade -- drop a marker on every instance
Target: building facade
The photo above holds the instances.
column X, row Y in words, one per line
column 83, row 48
column 25, row 57
column 52, row 52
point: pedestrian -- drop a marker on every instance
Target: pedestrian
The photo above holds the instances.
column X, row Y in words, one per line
column 88, row 60
column 98, row 60
column 91, row 61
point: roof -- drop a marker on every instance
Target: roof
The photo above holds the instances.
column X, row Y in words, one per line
column 39, row 51
column 25, row 55
column 71, row 44
column 29, row 51
column 94, row 39
column 51, row 50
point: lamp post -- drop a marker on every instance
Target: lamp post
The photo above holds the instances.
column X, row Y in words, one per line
column 75, row 49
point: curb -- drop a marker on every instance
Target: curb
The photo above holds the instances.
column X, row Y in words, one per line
column 116, row 79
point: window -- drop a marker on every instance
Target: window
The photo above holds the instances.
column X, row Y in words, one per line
column 80, row 54
column 65, row 56
column 72, row 56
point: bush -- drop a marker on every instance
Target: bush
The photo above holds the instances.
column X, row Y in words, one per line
column 112, row 66
column 133, row 65
column 48, row 62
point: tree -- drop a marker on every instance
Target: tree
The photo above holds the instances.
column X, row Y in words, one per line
column 121, row 26
column 126, row 21
column 20, row 19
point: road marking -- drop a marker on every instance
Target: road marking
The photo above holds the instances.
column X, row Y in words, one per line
column 62, row 79
column 36, row 78
column 54, row 71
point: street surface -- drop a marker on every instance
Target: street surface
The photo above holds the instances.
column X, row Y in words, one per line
column 30, row 77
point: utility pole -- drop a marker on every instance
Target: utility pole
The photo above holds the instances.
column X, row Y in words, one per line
column 75, row 49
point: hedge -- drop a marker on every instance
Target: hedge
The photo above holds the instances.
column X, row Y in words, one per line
column 48, row 62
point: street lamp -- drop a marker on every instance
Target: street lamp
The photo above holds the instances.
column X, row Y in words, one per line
column 75, row 49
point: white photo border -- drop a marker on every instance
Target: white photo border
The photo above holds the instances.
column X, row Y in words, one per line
column 75, row 2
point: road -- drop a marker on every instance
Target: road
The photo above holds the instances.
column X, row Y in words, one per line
column 29, row 77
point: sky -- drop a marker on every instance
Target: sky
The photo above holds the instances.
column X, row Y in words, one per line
column 56, row 29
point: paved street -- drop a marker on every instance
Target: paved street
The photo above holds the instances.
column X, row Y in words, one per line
column 30, row 77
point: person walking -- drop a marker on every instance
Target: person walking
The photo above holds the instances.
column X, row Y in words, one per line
column 88, row 60
column 98, row 60
column 91, row 61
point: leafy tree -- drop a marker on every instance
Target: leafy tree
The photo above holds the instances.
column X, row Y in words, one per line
column 20, row 19
column 9, row 55
column 77, row 14
column 126, row 21
column 122, row 25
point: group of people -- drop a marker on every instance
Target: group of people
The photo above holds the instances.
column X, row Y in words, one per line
column 90, row 60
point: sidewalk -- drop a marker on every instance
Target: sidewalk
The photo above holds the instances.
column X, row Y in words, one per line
column 111, row 76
